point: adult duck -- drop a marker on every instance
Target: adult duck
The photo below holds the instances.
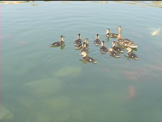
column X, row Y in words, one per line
column 124, row 42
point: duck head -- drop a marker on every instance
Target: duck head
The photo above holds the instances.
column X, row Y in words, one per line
column 86, row 40
column 79, row 36
column 113, row 43
column 84, row 54
column 129, row 49
column 103, row 43
column 110, row 49
column 97, row 36
column 62, row 38
column 107, row 31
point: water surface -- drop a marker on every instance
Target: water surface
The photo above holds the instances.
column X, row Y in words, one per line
column 44, row 84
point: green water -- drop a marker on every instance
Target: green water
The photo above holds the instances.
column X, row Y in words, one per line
column 44, row 84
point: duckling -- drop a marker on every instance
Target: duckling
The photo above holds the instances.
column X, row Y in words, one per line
column 110, row 35
column 113, row 53
column 103, row 49
column 59, row 43
column 131, row 54
column 117, row 49
column 84, row 48
column 87, row 58
column 124, row 42
column 78, row 41
column 97, row 42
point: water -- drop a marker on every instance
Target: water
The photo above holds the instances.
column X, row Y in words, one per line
column 44, row 84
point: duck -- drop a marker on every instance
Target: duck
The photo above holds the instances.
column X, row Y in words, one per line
column 87, row 58
column 110, row 35
column 131, row 54
column 103, row 49
column 97, row 42
column 84, row 48
column 58, row 43
column 124, row 42
column 117, row 49
column 113, row 53
column 78, row 41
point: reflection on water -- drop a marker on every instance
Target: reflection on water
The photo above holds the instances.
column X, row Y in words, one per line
column 45, row 84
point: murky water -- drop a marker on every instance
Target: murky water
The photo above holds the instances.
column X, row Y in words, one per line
column 44, row 84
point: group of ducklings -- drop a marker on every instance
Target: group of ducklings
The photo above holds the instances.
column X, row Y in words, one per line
column 114, row 51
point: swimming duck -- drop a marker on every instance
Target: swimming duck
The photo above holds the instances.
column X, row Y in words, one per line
column 97, row 42
column 59, row 43
column 84, row 48
column 131, row 54
column 113, row 53
column 124, row 42
column 87, row 58
column 110, row 35
column 103, row 49
column 78, row 41
column 117, row 49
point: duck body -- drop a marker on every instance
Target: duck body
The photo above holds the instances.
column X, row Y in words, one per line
column 58, row 43
column 131, row 54
column 86, row 58
column 103, row 49
column 78, row 41
column 97, row 42
column 89, row 59
column 79, row 46
column 118, row 49
column 115, row 48
column 55, row 44
column 110, row 35
column 113, row 53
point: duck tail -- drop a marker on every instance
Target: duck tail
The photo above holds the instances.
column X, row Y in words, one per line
column 135, row 46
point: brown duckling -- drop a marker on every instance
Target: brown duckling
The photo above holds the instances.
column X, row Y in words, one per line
column 87, row 58
column 131, row 54
column 97, row 42
column 103, row 49
column 113, row 53
column 78, row 41
column 59, row 43
column 117, row 49
column 110, row 35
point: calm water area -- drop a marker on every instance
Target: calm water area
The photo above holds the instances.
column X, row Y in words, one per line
column 45, row 84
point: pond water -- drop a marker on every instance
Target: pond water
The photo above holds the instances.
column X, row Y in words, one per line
column 44, row 84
